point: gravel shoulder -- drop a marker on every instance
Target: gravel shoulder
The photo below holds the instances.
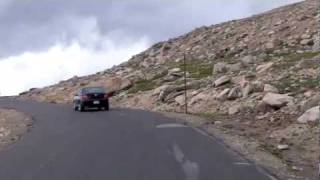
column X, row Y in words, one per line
column 13, row 125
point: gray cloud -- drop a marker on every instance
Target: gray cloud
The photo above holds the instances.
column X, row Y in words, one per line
column 36, row 25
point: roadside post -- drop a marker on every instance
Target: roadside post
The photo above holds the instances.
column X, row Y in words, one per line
column 185, row 84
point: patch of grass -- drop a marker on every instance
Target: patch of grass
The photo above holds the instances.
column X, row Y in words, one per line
column 293, row 85
column 179, row 82
column 273, row 150
column 208, row 116
column 291, row 59
column 198, row 69
column 142, row 85
column 299, row 56
column 160, row 75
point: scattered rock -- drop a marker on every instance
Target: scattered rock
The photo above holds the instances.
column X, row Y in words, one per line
column 264, row 67
column 159, row 89
column 223, row 95
column 263, row 107
column 180, row 100
column 235, row 93
column 222, row 80
column 247, row 90
column 197, row 98
column 174, row 70
column 310, row 115
column 248, row 60
column 277, row 100
column 235, row 67
column 234, row 110
column 220, row 67
column 308, row 94
column 270, row 88
column 296, row 168
column 311, row 102
column 306, row 42
column 257, row 86
column 270, row 45
column 282, row 147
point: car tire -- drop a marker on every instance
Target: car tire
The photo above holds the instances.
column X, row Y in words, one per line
column 106, row 108
column 75, row 107
column 81, row 108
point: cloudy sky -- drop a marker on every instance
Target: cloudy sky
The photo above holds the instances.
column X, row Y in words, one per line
column 44, row 41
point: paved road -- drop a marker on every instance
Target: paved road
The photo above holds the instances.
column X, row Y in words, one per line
column 116, row 145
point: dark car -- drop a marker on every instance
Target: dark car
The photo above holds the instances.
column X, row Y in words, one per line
column 91, row 97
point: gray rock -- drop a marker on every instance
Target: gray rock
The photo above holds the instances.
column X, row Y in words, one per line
column 277, row 100
column 306, row 42
column 235, row 93
column 234, row 67
column 270, row 88
column 223, row 94
column 311, row 115
column 234, row 110
column 222, row 80
column 247, row 60
column 220, row 67
column 264, row 67
column 283, row 147
column 247, row 90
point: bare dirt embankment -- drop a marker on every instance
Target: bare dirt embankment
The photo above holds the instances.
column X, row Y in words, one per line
column 13, row 125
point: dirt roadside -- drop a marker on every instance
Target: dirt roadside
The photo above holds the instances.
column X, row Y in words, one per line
column 13, row 125
column 251, row 148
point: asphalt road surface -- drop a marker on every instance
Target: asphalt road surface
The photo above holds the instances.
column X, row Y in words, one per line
column 117, row 145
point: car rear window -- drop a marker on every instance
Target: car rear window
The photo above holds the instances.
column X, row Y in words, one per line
column 93, row 90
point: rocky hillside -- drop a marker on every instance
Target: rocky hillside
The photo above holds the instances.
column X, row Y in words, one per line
column 257, row 77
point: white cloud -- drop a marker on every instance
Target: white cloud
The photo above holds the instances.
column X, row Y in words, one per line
column 89, row 53
column 29, row 70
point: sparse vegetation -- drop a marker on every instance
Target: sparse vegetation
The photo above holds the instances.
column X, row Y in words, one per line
column 294, row 85
column 142, row 85
column 291, row 59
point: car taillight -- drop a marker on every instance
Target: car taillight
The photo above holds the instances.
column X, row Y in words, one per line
column 84, row 97
column 106, row 96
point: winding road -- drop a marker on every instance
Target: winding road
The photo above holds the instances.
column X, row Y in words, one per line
column 120, row 144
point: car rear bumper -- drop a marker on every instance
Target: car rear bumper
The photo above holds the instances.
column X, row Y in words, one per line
column 91, row 103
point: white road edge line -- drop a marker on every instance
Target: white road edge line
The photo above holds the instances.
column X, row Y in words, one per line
column 171, row 125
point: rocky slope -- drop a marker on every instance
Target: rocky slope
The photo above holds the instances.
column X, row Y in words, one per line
column 257, row 77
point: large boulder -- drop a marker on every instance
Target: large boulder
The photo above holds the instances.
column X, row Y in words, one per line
column 277, row 100
column 310, row 115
